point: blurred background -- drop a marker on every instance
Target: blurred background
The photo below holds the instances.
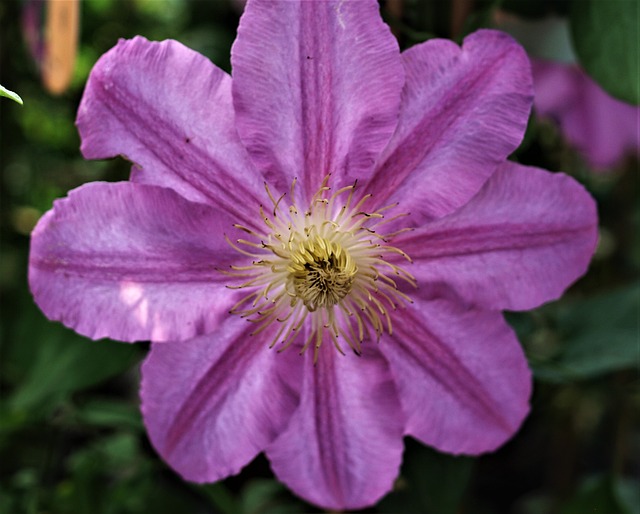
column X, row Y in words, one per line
column 71, row 436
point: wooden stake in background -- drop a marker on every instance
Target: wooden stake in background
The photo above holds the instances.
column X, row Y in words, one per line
column 60, row 44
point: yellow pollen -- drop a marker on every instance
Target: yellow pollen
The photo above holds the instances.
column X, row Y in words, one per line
column 324, row 273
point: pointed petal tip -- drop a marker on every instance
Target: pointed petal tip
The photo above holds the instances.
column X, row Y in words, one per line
column 213, row 403
column 525, row 238
column 475, row 383
column 463, row 111
column 343, row 447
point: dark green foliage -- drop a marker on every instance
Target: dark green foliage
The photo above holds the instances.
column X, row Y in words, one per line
column 605, row 36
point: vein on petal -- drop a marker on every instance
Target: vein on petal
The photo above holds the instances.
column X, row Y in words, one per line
column 445, row 368
column 158, row 136
column 152, row 270
column 327, row 423
column 454, row 242
column 209, row 391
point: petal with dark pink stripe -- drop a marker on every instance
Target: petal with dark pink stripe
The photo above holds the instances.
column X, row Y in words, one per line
column 213, row 403
column 463, row 111
column 343, row 446
column 461, row 374
column 316, row 88
column 132, row 262
column 520, row 242
column 168, row 109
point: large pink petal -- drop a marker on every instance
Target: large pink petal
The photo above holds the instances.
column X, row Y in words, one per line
column 461, row 375
column 316, row 87
column 211, row 404
column 168, row 109
column 520, row 242
column 131, row 262
column 343, row 446
column 463, row 111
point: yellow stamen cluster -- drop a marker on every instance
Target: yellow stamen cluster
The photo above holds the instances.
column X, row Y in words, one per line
column 325, row 266
column 322, row 273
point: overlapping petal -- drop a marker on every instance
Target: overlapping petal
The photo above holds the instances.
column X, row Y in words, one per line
column 461, row 375
column 463, row 111
column 316, row 88
column 212, row 404
column 343, row 446
column 520, row 242
column 131, row 262
column 168, row 109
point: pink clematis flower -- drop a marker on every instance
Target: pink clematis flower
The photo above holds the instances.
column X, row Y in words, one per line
column 603, row 129
column 280, row 208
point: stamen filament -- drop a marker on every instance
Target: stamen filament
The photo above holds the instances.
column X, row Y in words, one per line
column 325, row 266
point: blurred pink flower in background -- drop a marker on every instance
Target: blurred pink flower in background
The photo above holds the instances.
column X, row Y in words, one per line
column 381, row 155
column 603, row 129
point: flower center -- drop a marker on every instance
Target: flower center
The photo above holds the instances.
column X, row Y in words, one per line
column 323, row 273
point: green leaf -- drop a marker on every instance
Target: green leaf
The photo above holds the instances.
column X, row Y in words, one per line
column 219, row 497
column 265, row 496
column 628, row 494
column 430, row 482
column 601, row 336
column 597, row 494
column 605, row 37
column 62, row 362
column 113, row 475
column 110, row 413
column 10, row 94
